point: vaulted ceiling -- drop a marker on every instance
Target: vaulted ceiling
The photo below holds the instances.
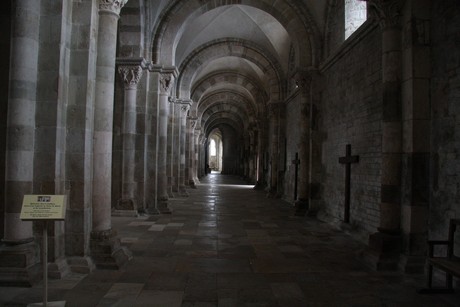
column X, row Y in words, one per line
column 233, row 57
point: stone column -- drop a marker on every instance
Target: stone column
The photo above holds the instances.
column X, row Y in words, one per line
column 386, row 242
column 191, row 164
column 252, row 158
column 19, row 254
column 196, row 154
column 105, row 249
column 303, row 81
column 166, row 84
column 131, row 73
column 201, row 153
column 274, row 114
column 416, row 81
column 185, row 107
column 260, row 135
column 176, row 148
column 150, row 139
column 171, row 148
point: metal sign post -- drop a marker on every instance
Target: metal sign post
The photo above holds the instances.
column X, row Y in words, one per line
column 44, row 208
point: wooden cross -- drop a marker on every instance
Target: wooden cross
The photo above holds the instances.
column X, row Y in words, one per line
column 347, row 160
column 296, row 162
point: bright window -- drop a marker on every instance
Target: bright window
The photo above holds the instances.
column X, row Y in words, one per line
column 212, row 148
column 355, row 15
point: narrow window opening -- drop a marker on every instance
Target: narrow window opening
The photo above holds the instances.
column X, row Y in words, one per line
column 355, row 15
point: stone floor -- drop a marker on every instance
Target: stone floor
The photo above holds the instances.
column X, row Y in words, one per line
column 229, row 245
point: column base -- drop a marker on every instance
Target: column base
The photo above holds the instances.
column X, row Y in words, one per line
column 107, row 252
column 301, row 207
column 49, row 304
column 183, row 191
column 192, row 184
column 383, row 253
column 81, row 265
column 153, row 211
column 20, row 265
column 272, row 193
column 163, row 207
column 125, row 207
column 58, row 269
column 259, row 186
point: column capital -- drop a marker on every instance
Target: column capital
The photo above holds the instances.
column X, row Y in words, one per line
column 193, row 121
column 386, row 12
column 184, row 107
column 304, row 77
column 130, row 74
column 111, row 6
column 166, row 83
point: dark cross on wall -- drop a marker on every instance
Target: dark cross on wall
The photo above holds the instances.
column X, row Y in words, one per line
column 296, row 162
column 347, row 160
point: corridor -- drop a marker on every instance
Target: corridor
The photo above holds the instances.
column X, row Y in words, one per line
column 228, row 245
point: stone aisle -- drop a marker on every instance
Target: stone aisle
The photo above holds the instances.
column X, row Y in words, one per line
column 228, row 245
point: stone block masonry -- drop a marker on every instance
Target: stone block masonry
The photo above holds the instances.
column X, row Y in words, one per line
column 351, row 114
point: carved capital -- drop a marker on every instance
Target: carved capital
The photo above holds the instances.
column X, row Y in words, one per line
column 192, row 121
column 185, row 107
column 166, row 83
column 302, row 79
column 112, row 6
column 130, row 75
column 386, row 12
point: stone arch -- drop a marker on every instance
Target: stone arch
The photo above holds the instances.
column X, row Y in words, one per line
column 225, row 110
column 252, row 86
column 231, row 119
column 231, row 47
column 293, row 16
column 230, row 98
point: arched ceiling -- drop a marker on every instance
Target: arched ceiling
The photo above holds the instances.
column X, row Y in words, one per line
column 247, row 49
column 236, row 21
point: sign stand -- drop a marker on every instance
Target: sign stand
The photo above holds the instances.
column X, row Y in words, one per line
column 45, row 208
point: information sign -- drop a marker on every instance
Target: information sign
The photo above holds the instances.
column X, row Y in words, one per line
column 43, row 207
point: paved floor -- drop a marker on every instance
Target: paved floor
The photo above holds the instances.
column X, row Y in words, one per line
column 228, row 245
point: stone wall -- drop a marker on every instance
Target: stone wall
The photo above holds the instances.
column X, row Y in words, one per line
column 445, row 130
column 335, row 28
column 351, row 113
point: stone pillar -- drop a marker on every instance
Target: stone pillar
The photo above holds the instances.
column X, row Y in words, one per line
column 274, row 116
column 131, row 73
column 105, row 248
column 201, row 153
column 171, row 148
column 151, row 142
column 303, row 81
column 196, row 154
column 176, row 148
column 386, row 243
column 192, row 150
column 185, row 107
column 416, row 126
column 19, row 255
column 166, row 84
column 252, row 158
column 260, row 184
